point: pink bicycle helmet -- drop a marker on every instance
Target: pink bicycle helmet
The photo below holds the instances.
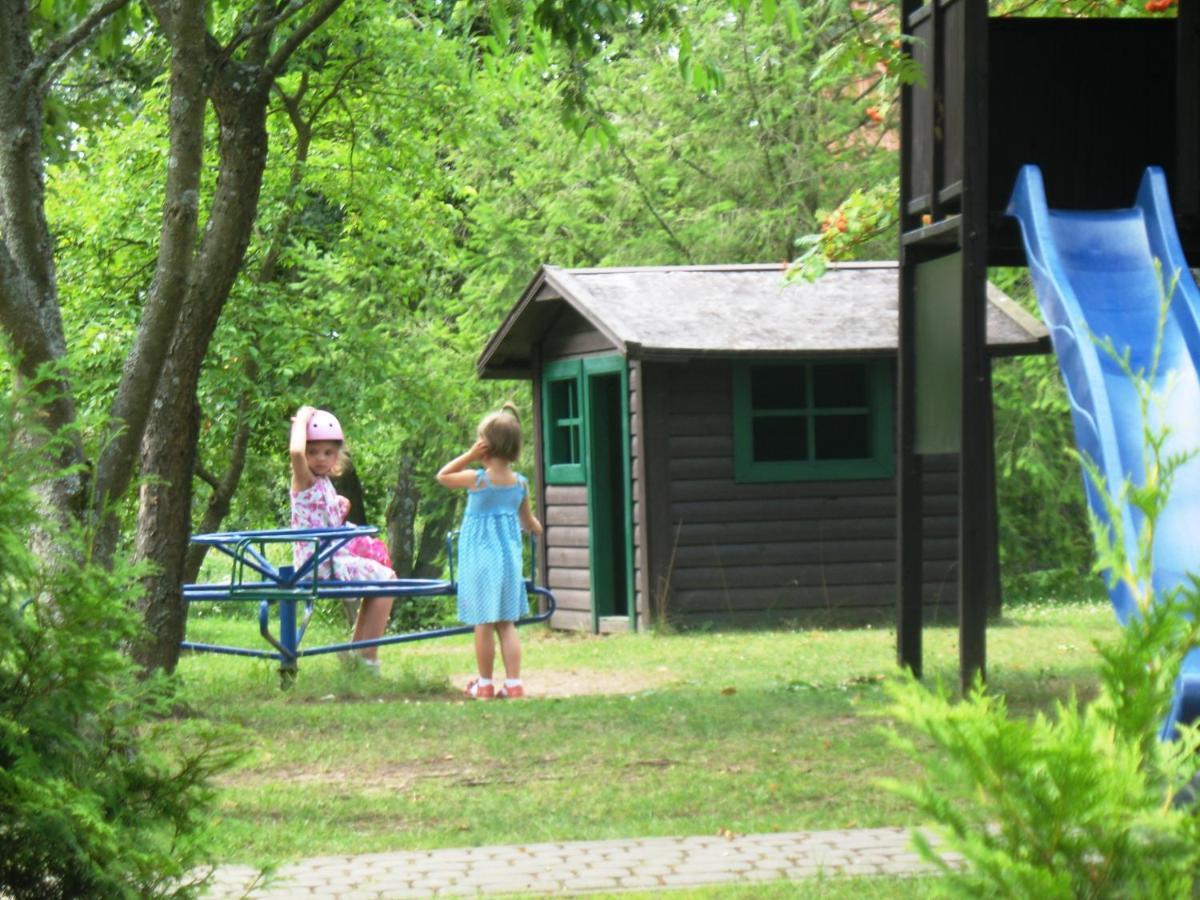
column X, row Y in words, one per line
column 324, row 426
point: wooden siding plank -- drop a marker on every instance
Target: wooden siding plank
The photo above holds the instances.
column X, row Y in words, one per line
column 704, row 445
column 757, row 532
column 566, row 495
column 685, row 426
column 802, row 552
column 775, row 576
column 715, row 489
column 567, row 557
column 571, row 620
column 572, row 599
column 781, row 600
column 656, row 486
column 566, row 536
column 566, row 515
column 785, row 508
column 569, row 579
column 843, row 614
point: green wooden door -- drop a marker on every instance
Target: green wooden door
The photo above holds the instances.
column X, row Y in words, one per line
column 610, row 536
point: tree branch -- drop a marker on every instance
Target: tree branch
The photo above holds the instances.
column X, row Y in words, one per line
column 279, row 59
column 181, row 207
column 37, row 70
column 263, row 28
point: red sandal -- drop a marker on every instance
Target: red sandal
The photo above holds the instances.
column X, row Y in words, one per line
column 476, row 691
column 516, row 692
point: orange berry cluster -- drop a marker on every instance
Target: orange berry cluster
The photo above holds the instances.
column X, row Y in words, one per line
column 839, row 223
column 1155, row 6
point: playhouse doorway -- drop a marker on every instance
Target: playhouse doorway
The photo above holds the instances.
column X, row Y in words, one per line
column 608, row 496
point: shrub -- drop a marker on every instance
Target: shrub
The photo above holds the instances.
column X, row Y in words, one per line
column 1084, row 802
column 98, row 795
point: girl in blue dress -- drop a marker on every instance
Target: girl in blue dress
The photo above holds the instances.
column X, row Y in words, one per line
column 491, row 580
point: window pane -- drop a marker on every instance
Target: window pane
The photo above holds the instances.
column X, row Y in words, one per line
column 842, row 437
column 780, row 439
column 564, row 422
column 777, row 387
column 840, row 384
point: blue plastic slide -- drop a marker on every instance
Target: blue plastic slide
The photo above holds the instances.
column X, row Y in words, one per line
column 1095, row 277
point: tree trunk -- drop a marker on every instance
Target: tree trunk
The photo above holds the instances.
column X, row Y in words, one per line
column 29, row 309
column 241, row 112
column 223, row 490
column 401, row 517
column 164, row 521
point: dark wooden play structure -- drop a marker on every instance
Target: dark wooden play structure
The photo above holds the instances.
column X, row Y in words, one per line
column 1093, row 102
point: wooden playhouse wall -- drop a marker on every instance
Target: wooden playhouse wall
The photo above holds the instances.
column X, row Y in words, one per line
column 728, row 552
column 745, row 553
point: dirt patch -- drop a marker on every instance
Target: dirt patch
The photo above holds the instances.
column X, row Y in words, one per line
column 582, row 682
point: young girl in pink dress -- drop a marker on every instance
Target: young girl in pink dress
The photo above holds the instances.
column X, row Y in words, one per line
column 317, row 450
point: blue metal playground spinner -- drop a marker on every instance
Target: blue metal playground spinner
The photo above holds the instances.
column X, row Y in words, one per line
column 255, row 579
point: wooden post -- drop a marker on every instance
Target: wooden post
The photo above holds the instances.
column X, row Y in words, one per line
column 974, row 456
column 909, row 536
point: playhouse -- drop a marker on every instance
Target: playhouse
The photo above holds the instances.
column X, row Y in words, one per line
column 717, row 443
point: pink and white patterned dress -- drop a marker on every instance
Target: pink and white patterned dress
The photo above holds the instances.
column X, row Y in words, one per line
column 317, row 507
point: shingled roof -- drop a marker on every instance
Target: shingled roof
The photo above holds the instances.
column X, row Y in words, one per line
column 676, row 312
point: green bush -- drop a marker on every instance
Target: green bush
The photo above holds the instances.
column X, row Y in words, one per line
column 1085, row 802
column 102, row 794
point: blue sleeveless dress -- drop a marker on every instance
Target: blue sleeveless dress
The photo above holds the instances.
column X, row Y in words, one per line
column 491, row 583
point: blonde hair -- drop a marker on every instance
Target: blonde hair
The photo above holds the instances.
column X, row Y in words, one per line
column 344, row 463
column 502, row 433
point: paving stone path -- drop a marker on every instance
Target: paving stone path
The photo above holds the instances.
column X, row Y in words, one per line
column 580, row 867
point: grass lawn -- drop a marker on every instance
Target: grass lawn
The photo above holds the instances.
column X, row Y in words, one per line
column 623, row 736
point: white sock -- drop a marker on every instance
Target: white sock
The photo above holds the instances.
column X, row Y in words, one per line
column 484, row 682
column 512, row 682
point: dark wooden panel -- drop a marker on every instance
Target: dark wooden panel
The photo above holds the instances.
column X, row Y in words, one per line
column 573, row 335
column 940, row 482
column 657, row 513
column 776, row 510
column 879, row 596
column 843, row 614
column 737, row 578
column 1091, row 101
column 759, row 532
column 920, row 176
column 940, row 462
column 699, row 425
column 951, row 50
column 716, row 489
column 705, row 445
column 698, row 468
column 804, row 552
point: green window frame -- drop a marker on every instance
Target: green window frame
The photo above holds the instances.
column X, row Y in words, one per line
column 812, row 420
column 563, row 422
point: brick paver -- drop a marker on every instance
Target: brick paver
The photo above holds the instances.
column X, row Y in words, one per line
column 583, row 866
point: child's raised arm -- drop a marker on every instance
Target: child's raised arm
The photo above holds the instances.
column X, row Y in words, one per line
column 455, row 474
column 302, row 478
